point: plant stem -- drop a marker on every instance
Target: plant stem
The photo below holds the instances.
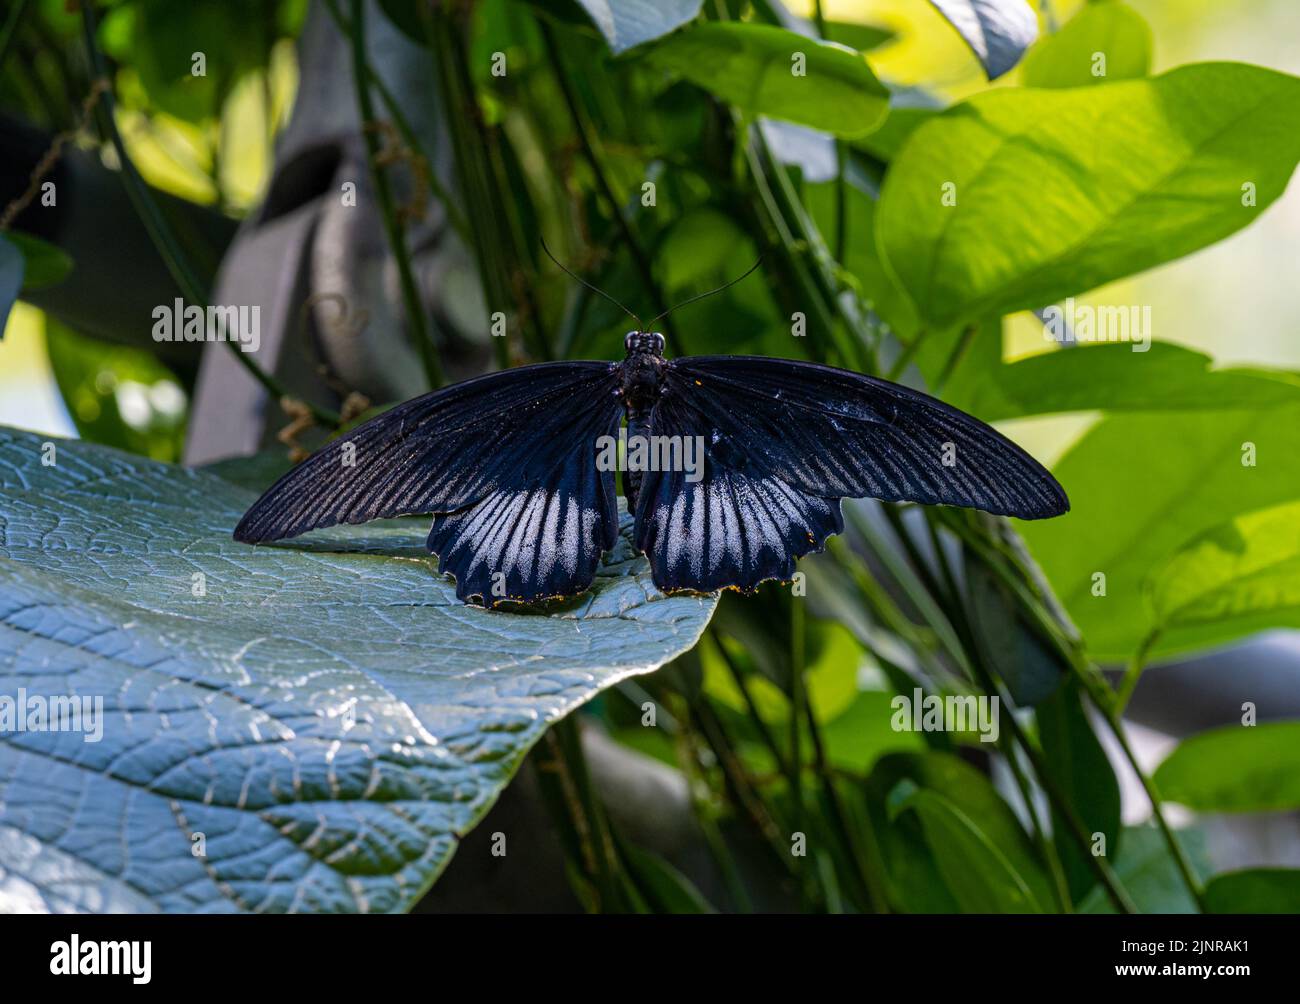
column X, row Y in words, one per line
column 639, row 257
column 10, row 30
column 159, row 230
column 394, row 109
column 415, row 313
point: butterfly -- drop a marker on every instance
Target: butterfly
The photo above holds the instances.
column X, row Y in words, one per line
column 746, row 463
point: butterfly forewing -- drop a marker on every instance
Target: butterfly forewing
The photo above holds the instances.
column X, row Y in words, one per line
column 836, row 433
column 490, row 457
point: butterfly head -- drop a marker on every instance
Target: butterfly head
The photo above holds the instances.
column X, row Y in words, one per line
column 640, row 342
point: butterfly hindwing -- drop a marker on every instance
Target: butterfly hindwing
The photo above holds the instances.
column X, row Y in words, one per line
column 489, row 458
column 836, row 433
column 536, row 541
column 731, row 527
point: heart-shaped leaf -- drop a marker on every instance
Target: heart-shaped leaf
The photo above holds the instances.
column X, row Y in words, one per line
column 305, row 728
column 1017, row 198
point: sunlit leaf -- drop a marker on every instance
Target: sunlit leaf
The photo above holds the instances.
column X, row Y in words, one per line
column 1108, row 30
column 1018, row 198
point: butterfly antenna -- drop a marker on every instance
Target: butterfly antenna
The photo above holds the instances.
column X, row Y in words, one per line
column 701, row 296
column 578, row 278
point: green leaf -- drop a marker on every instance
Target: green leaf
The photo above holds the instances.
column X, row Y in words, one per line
column 1237, row 768
column 1242, row 576
column 46, row 264
column 1031, row 668
column 860, row 734
column 1254, row 890
column 1109, row 28
column 327, row 714
column 1076, row 760
column 969, row 793
column 753, row 66
column 1149, row 874
column 1114, row 377
column 117, row 396
column 1142, row 486
column 1061, row 191
column 863, row 37
column 665, row 889
column 997, row 31
column 981, row 879
column 886, row 141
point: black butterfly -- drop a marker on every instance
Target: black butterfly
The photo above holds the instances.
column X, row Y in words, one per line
column 508, row 465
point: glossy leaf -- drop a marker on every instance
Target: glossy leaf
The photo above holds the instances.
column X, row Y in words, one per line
column 1057, row 192
column 328, row 716
column 1104, row 41
column 757, row 68
column 1236, row 768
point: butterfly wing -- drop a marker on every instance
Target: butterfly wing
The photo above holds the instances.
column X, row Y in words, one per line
column 732, row 527
column 836, row 433
column 506, row 464
column 784, row 441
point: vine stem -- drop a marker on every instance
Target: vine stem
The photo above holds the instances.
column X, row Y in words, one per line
column 394, row 109
column 159, row 230
column 383, row 191
column 1101, row 697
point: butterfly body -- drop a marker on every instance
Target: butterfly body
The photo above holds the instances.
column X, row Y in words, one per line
column 508, row 465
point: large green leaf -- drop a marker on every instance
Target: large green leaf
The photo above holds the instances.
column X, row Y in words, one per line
column 1110, row 29
column 1237, row 768
column 1242, row 575
column 755, row 67
column 328, row 715
column 1254, row 890
column 1142, row 486
column 1061, row 191
column 1113, row 377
